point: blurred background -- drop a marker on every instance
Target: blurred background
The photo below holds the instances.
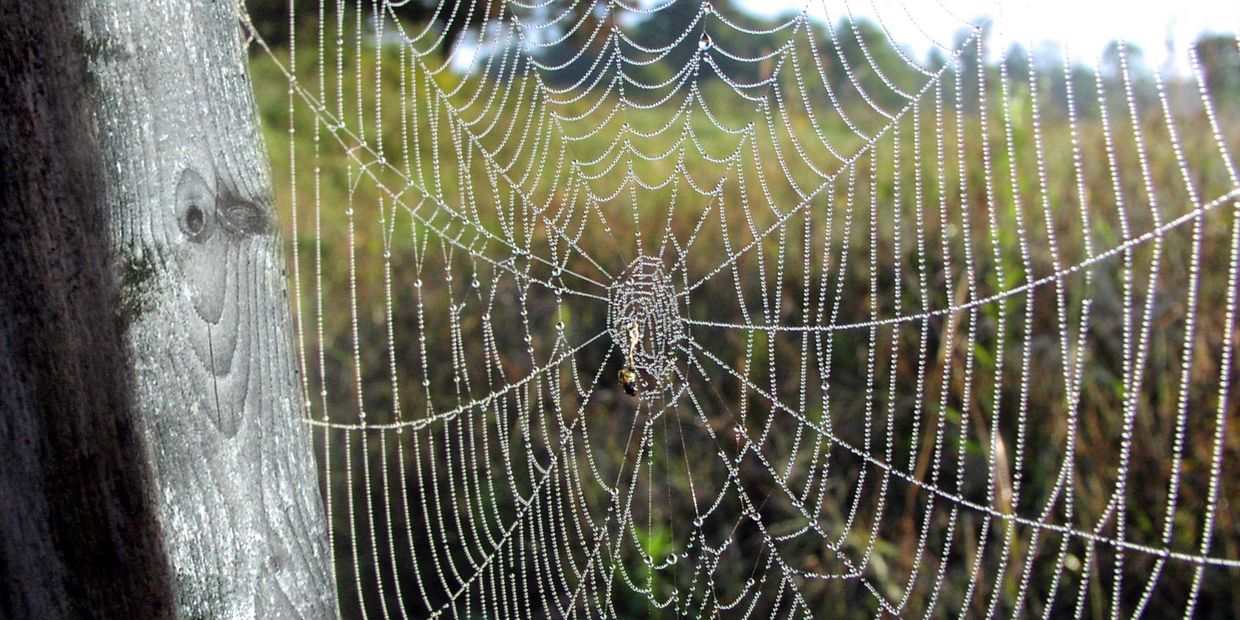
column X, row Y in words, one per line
column 997, row 150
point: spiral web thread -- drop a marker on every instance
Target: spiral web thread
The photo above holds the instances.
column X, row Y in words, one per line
column 885, row 367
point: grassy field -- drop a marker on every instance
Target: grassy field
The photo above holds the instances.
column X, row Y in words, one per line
column 942, row 209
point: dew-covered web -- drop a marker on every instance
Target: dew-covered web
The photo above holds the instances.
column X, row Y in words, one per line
column 906, row 333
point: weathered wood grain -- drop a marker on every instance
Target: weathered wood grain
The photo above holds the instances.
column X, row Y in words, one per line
column 78, row 533
column 192, row 320
column 208, row 331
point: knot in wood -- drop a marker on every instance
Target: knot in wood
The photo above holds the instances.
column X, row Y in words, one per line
column 201, row 209
column 195, row 204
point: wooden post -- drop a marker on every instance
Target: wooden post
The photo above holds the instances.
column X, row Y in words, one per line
column 144, row 326
column 78, row 533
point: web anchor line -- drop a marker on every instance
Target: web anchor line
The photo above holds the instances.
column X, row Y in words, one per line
column 1191, row 216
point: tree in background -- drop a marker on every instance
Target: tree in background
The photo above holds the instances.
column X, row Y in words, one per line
column 455, row 17
column 1220, row 62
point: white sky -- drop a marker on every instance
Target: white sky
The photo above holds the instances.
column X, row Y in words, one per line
column 1162, row 29
column 1085, row 26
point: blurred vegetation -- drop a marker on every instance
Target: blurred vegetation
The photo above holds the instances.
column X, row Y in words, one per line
column 1030, row 318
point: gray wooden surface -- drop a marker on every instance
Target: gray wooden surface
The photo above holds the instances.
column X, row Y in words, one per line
column 201, row 308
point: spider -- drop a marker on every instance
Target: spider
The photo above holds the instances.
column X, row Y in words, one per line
column 628, row 375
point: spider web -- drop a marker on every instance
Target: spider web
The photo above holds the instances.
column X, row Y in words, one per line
column 908, row 338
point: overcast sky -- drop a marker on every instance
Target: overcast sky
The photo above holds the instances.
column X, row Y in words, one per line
column 1084, row 25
